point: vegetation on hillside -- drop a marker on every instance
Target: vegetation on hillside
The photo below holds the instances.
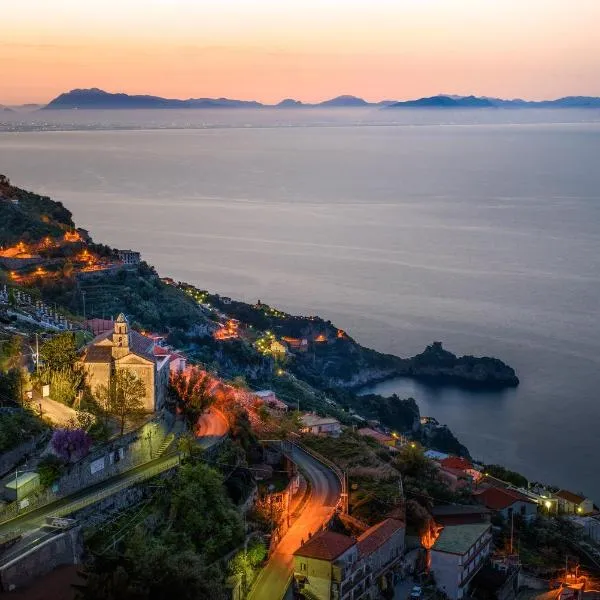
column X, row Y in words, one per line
column 31, row 217
column 178, row 551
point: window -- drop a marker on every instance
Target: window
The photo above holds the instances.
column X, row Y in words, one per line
column 303, row 566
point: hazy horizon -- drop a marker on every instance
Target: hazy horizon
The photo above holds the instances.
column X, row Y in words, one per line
column 309, row 50
column 297, row 98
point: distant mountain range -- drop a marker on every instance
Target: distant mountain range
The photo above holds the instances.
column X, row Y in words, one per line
column 99, row 99
column 448, row 101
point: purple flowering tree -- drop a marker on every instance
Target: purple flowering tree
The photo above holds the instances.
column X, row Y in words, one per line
column 71, row 444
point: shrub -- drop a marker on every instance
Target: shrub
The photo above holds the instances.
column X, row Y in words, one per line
column 71, row 444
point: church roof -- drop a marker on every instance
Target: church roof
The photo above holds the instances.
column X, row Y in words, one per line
column 138, row 344
column 98, row 354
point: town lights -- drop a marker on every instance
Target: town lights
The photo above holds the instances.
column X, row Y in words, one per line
column 548, row 504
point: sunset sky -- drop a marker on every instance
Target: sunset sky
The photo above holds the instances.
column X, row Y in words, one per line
column 306, row 49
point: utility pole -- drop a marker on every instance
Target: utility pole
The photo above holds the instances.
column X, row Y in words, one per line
column 83, row 297
column 17, row 489
column 37, row 354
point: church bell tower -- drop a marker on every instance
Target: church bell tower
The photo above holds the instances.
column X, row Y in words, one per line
column 120, row 337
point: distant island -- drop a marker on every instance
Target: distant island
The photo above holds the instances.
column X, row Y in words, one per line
column 94, row 98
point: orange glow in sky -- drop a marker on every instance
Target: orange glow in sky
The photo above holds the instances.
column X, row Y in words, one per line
column 307, row 49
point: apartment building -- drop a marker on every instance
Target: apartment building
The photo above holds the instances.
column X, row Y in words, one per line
column 334, row 566
column 457, row 555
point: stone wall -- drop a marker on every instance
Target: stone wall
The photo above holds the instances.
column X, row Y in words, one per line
column 9, row 460
column 103, row 462
column 62, row 549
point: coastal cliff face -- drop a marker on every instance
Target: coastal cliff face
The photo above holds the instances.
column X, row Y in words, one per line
column 436, row 363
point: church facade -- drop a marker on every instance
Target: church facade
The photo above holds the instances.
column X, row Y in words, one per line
column 124, row 348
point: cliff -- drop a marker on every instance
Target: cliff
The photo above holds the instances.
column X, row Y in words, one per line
column 436, row 363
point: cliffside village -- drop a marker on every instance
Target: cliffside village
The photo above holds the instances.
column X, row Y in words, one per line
column 457, row 547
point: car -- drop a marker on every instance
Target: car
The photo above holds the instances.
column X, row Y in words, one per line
column 416, row 593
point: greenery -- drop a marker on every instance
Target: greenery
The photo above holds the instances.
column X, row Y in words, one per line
column 176, row 553
column 49, row 469
column 192, row 394
column 17, row 426
column 245, row 563
column 123, row 397
column 507, row 475
column 33, row 218
column 60, row 368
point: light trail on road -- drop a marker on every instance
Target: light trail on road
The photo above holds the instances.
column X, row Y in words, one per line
column 325, row 494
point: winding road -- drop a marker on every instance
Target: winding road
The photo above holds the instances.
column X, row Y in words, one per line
column 274, row 579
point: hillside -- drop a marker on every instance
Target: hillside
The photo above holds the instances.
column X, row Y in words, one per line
column 25, row 216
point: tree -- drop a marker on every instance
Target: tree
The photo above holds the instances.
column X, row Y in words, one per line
column 193, row 393
column 200, row 510
column 123, row 397
column 10, row 353
column 70, row 444
column 59, row 353
column 65, row 384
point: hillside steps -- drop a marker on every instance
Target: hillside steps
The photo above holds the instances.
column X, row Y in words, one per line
column 165, row 444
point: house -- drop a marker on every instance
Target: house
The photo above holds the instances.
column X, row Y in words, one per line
column 382, row 438
column 458, row 472
column 507, row 502
column 312, row 423
column 129, row 257
column 325, row 562
column 333, row 566
column 298, row 344
column 270, row 400
column 435, row 455
column 571, row 503
column 123, row 348
column 457, row 555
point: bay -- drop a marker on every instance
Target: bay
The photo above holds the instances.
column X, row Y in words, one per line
column 477, row 228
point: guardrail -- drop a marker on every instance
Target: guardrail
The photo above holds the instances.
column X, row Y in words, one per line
column 90, row 499
column 332, row 467
column 105, row 493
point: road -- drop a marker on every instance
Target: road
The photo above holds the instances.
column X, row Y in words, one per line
column 325, row 494
column 214, row 426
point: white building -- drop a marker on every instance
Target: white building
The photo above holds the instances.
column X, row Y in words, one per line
column 457, row 555
column 312, row 423
column 571, row 503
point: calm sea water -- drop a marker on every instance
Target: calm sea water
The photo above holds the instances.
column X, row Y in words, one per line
column 477, row 228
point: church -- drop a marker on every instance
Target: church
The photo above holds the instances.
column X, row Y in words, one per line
column 124, row 348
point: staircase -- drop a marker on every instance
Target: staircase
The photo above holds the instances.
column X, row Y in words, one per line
column 165, row 444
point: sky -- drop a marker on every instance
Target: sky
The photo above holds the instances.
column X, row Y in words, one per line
column 310, row 50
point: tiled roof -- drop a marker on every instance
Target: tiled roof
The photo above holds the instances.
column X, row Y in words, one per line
column 376, row 536
column 570, row 497
column 459, row 509
column 458, row 539
column 314, row 420
column 500, row 498
column 138, row 343
column 325, row 545
column 459, row 473
column 98, row 354
column 376, row 435
column 456, row 462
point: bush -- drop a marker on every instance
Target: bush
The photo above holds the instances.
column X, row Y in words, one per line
column 49, row 469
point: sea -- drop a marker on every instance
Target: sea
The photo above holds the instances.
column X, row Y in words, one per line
column 478, row 228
